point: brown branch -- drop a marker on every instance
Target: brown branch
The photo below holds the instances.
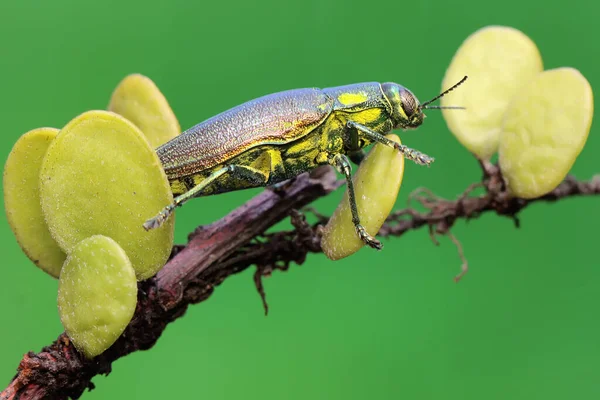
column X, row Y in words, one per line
column 213, row 253
column 441, row 214
column 238, row 241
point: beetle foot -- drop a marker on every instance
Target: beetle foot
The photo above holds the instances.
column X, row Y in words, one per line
column 416, row 156
column 162, row 216
column 368, row 239
column 281, row 187
column 419, row 158
column 424, row 159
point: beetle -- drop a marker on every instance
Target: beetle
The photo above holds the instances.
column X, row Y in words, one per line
column 273, row 138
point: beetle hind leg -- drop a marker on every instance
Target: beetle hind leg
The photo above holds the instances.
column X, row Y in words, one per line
column 237, row 171
column 280, row 187
column 342, row 164
column 357, row 156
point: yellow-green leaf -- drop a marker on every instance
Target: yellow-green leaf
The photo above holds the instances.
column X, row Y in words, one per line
column 545, row 129
column 97, row 294
column 101, row 177
column 499, row 61
column 138, row 99
column 22, row 200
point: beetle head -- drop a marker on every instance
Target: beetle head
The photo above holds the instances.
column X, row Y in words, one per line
column 407, row 112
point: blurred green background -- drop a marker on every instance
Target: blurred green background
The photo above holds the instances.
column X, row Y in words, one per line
column 523, row 324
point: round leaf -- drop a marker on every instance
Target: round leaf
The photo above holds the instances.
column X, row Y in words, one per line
column 499, row 60
column 97, row 294
column 22, row 200
column 545, row 129
column 139, row 100
column 376, row 184
column 101, row 177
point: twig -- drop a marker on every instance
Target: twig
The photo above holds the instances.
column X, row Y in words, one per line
column 231, row 245
column 465, row 265
column 190, row 276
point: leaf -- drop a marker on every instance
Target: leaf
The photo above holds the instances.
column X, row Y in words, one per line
column 101, row 177
column 544, row 130
column 22, row 200
column 499, row 60
column 97, row 294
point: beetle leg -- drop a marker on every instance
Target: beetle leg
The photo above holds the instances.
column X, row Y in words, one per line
column 342, row 164
column 411, row 154
column 357, row 156
column 280, row 187
column 239, row 171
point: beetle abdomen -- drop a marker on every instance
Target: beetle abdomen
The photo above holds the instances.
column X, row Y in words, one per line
column 273, row 119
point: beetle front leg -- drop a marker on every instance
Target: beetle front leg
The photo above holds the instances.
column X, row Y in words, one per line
column 240, row 171
column 411, row 154
column 342, row 164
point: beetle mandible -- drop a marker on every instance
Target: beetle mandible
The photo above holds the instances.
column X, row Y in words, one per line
column 271, row 139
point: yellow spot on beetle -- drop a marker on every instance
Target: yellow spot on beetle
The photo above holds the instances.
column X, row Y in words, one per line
column 349, row 99
column 177, row 187
column 367, row 116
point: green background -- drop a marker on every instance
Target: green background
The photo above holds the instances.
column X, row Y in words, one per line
column 523, row 324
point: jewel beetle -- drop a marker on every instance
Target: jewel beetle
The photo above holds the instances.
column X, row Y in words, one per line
column 273, row 138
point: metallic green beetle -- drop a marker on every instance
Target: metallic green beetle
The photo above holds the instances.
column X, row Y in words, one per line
column 271, row 139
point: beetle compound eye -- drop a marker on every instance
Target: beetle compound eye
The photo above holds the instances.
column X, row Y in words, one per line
column 408, row 102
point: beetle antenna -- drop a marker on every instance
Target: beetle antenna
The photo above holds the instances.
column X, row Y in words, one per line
column 445, row 92
column 444, row 108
